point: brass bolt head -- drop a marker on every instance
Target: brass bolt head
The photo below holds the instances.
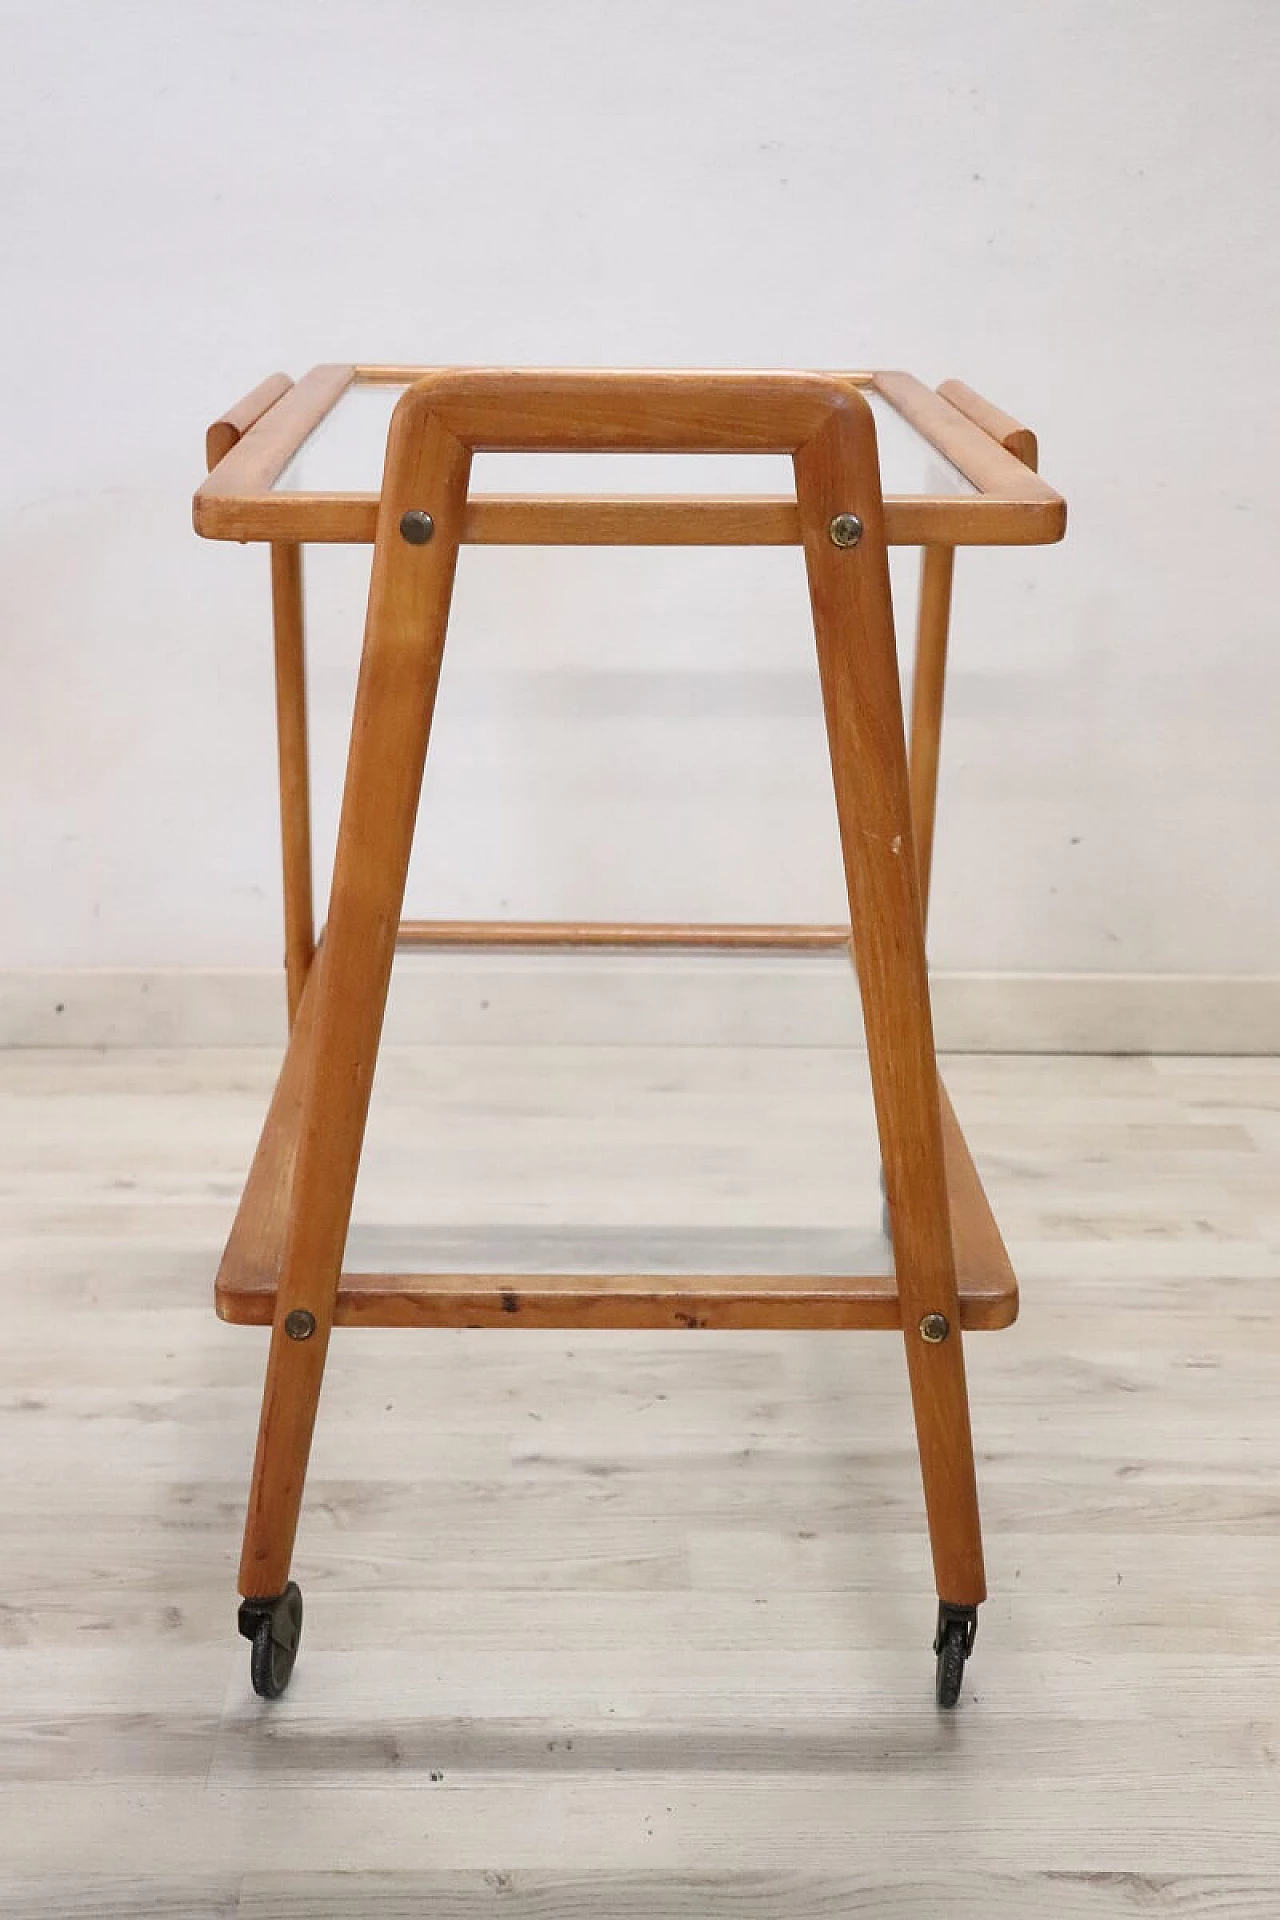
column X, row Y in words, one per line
column 934, row 1328
column 300, row 1325
column 417, row 528
column 845, row 530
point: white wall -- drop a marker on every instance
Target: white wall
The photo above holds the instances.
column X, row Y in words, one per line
column 1072, row 207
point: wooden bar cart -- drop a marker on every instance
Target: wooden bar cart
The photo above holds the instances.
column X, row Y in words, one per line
column 284, row 1260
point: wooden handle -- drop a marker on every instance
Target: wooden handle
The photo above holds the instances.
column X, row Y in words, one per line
column 230, row 427
column 1012, row 435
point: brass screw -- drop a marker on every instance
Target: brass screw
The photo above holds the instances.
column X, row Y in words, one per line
column 845, row 530
column 300, row 1325
column 934, row 1328
column 417, row 528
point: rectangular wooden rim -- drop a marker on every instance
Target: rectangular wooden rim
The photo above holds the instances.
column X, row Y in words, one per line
column 1013, row 506
column 247, row 1277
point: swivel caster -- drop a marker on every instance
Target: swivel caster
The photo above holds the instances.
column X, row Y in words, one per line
column 953, row 1643
column 274, row 1627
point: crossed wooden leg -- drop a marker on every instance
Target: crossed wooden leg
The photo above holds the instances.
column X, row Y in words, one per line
column 399, row 673
column 857, row 659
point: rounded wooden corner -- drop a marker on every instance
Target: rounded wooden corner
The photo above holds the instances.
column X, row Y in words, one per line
column 565, row 410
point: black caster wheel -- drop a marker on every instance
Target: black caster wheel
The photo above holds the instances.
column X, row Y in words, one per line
column 274, row 1627
column 953, row 1643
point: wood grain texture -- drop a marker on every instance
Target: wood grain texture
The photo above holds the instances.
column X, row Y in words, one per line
column 255, row 460
column 230, row 427
column 725, row 1302
column 293, row 764
column 967, row 444
column 622, row 520
column 837, row 472
column 640, row 1895
column 438, row 424
column 409, row 595
column 1012, row 508
column 928, row 682
column 653, row 1608
column 509, row 410
column 928, row 686
column 619, row 934
column 1012, row 435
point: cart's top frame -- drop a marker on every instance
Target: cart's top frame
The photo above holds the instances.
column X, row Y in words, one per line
column 974, row 475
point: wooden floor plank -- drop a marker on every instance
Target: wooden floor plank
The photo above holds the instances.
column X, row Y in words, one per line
column 655, row 1610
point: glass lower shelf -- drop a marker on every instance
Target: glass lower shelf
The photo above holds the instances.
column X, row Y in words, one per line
column 552, row 1149
column 737, row 1156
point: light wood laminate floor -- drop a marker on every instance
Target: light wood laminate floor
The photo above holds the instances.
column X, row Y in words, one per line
column 608, row 1625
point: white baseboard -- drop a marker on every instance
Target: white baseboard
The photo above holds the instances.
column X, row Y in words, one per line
column 655, row 999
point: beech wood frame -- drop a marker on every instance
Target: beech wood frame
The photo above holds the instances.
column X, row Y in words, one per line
column 285, row 1253
column 992, row 449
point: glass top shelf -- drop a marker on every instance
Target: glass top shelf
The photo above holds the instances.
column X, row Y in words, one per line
column 345, row 454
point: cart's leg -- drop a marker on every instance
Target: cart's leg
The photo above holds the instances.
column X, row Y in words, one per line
column 957, row 1621
column 841, row 518
column 937, row 564
column 404, row 639
column 295, row 783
